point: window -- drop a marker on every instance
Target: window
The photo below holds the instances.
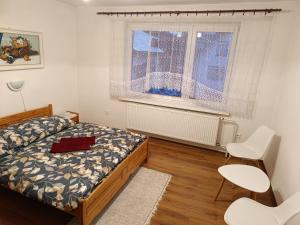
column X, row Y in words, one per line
column 159, row 56
column 189, row 63
column 210, row 65
column 192, row 62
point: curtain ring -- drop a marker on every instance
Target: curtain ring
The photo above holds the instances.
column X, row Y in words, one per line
column 220, row 13
column 196, row 12
column 232, row 13
column 254, row 12
column 207, row 12
column 244, row 12
column 144, row 13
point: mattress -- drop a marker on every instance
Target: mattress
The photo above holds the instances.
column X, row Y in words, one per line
column 64, row 179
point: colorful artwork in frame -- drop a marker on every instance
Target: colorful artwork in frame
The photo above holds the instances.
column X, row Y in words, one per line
column 20, row 50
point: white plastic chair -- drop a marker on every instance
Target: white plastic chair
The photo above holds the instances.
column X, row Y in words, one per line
column 245, row 211
column 254, row 148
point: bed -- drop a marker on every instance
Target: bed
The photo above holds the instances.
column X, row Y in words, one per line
column 80, row 183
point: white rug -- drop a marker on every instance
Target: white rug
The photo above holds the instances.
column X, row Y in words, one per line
column 137, row 202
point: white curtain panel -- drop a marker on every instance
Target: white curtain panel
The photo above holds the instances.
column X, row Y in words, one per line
column 212, row 62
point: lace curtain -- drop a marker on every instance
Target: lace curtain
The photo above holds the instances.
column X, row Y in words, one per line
column 215, row 65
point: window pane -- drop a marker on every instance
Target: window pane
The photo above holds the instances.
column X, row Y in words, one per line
column 158, row 58
column 211, row 64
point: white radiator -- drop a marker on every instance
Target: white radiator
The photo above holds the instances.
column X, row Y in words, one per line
column 184, row 125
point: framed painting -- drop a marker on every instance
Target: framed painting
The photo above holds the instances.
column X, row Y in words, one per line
column 20, row 50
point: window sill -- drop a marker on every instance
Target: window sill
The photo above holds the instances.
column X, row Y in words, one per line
column 173, row 105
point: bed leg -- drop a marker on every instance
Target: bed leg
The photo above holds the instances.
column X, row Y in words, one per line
column 147, row 156
column 83, row 217
column 83, row 221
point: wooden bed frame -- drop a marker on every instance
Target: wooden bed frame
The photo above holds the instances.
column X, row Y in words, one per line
column 90, row 207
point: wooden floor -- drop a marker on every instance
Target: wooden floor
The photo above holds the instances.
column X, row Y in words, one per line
column 189, row 196
column 187, row 201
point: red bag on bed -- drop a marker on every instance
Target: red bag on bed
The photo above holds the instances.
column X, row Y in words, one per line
column 63, row 148
column 73, row 144
column 79, row 140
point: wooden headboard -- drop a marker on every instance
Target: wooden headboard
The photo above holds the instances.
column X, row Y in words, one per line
column 15, row 118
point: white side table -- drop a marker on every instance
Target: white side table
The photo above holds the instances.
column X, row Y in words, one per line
column 248, row 177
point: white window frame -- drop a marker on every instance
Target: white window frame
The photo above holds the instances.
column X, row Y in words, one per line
column 153, row 27
column 192, row 29
column 234, row 28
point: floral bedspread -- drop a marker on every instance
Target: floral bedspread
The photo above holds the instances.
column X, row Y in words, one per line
column 64, row 179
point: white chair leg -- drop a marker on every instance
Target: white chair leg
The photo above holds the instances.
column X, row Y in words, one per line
column 226, row 154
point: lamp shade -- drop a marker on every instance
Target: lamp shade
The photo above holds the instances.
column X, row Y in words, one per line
column 15, row 85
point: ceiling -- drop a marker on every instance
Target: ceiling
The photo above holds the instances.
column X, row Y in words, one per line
column 148, row 2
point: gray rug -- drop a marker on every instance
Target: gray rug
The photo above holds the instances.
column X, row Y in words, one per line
column 137, row 202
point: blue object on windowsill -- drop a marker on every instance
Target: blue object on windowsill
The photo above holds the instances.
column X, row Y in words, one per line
column 165, row 91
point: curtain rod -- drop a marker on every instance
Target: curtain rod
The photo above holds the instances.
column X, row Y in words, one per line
column 232, row 11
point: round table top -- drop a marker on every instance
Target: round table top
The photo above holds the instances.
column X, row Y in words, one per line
column 248, row 177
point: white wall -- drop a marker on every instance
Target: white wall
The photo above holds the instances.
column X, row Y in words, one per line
column 57, row 82
column 287, row 119
column 285, row 166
